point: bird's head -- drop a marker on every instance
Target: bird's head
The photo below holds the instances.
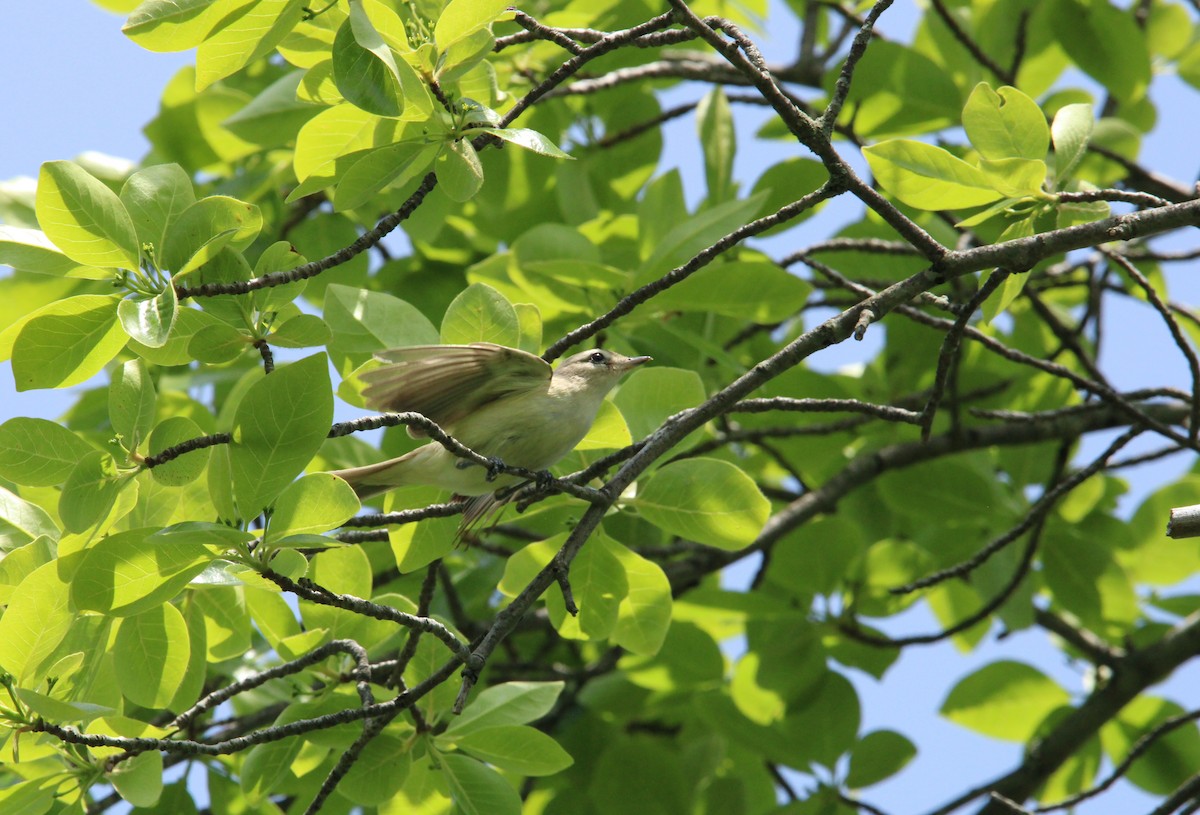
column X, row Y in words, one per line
column 597, row 369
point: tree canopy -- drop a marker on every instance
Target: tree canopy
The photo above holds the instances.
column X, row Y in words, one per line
column 199, row 617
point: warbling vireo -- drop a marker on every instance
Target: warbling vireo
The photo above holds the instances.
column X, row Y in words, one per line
column 501, row 402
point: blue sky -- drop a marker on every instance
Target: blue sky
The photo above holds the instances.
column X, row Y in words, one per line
column 74, row 84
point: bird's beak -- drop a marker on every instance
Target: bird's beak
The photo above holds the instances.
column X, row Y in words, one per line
column 633, row 362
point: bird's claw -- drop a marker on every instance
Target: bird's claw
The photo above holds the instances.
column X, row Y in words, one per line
column 543, row 479
column 495, row 468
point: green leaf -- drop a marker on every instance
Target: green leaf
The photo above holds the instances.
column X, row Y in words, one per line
column 705, row 500
column 131, row 402
column 364, row 68
column 1169, row 762
column 693, row 233
column 1071, row 131
column 22, row 522
column 1004, row 700
column 36, row 620
column 90, row 491
column 314, row 503
column 517, row 749
column 1009, row 291
column 1154, row 558
column 329, row 144
column 527, row 139
column 151, row 654
column 274, row 116
column 462, row 18
column 29, row 250
column 301, row 331
column 204, row 229
column 1106, row 43
column 877, row 756
column 84, row 218
column 751, row 290
column 155, row 197
column 899, row 91
column 380, row 770
column 480, row 314
column 599, row 585
column 347, row 571
column 788, row 181
column 459, row 171
column 644, row 616
column 714, row 122
column 37, row 452
column 649, row 395
column 170, row 25
column 67, row 342
column 1016, row 177
column 928, row 177
column 364, row 322
column 131, row 572
column 477, row 789
column 249, row 32
column 139, row 780
column 183, row 469
column 509, row 703
column 266, row 767
column 1005, row 123
column 279, row 425
column 391, row 165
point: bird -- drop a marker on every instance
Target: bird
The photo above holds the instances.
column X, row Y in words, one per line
column 506, row 404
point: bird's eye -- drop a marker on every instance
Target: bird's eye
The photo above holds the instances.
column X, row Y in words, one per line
column 596, row 358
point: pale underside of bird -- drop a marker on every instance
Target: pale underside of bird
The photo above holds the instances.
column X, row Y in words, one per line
column 501, row 402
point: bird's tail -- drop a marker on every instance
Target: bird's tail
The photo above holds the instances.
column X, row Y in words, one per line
column 374, row 479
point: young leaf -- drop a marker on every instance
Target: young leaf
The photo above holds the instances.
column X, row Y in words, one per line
column 155, row 197
column 459, row 170
column 928, row 177
column 131, row 401
column 84, row 218
column 528, row 139
column 206, row 227
column 149, row 320
column 1071, row 129
column 90, row 491
column 714, row 121
column 1005, row 123
column 462, row 18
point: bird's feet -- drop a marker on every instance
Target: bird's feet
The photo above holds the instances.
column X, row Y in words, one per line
column 543, row 479
column 495, row 468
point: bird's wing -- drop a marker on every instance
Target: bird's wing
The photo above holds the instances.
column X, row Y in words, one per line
column 447, row 382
